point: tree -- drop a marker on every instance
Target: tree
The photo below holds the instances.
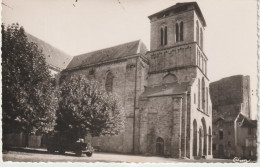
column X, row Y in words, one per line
column 29, row 100
column 86, row 108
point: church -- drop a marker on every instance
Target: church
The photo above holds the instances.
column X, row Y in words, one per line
column 164, row 90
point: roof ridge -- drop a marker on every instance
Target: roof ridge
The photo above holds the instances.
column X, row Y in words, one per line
column 116, row 52
column 107, row 48
column 48, row 44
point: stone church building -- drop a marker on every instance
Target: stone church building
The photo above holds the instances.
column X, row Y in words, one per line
column 165, row 91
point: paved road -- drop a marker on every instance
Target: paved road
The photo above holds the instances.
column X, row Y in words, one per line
column 41, row 155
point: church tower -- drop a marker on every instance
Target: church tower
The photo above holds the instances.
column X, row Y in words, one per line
column 174, row 117
column 180, row 29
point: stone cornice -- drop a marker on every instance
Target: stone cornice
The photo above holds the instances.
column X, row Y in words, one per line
column 108, row 62
column 179, row 45
column 178, row 68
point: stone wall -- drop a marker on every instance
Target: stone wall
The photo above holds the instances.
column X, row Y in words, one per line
column 228, row 141
column 202, row 117
column 160, row 117
column 230, row 96
column 156, row 24
column 227, row 91
column 128, row 84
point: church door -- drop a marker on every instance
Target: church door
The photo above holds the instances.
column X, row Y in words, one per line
column 221, row 151
column 159, row 146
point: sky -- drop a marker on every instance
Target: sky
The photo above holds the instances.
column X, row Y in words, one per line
column 230, row 38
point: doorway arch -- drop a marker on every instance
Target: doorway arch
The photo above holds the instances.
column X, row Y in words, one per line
column 194, row 137
column 204, row 136
column 159, row 146
column 200, row 141
column 209, row 151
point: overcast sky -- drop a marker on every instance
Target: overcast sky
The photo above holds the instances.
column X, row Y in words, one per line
column 88, row 25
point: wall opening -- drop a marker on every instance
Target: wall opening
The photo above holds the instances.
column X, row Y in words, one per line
column 205, row 136
column 181, row 31
column 177, row 32
column 194, row 138
column 109, row 82
column 209, row 151
column 162, row 36
column 203, row 94
column 159, row 146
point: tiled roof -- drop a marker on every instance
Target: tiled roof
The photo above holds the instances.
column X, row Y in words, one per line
column 246, row 122
column 108, row 54
column 54, row 57
column 166, row 89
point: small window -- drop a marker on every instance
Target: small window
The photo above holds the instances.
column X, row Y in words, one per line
column 177, row 32
column 181, row 31
column 250, row 131
column 109, row 82
column 165, row 36
column 162, row 36
column 199, row 93
column 220, row 122
column 197, row 32
column 229, row 144
column 194, row 98
column 220, row 134
column 201, row 38
column 214, row 146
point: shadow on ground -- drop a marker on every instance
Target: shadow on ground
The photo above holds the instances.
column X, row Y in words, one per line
column 34, row 150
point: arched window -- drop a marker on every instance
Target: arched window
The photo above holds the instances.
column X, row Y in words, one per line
column 220, row 134
column 197, row 32
column 201, row 38
column 159, row 146
column 200, row 141
column 207, row 100
column 177, row 32
column 203, row 94
column 204, row 136
column 109, row 82
column 195, row 137
column 198, row 93
column 169, row 78
column 181, row 31
column 165, row 36
column 162, row 36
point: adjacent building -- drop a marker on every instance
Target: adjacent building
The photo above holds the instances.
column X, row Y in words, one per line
column 234, row 132
column 56, row 59
column 165, row 91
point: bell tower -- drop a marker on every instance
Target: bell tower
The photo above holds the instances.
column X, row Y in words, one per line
column 175, row 107
column 177, row 38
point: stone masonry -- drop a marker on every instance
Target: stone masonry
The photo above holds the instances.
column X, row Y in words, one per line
column 165, row 91
column 231, row 105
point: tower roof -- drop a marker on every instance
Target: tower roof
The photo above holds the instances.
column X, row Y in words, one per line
column 179, row 7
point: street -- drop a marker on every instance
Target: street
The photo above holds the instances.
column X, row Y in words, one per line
column 41, row 155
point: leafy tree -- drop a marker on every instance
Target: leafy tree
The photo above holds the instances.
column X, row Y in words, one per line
column 86, row 108
column 29, row 100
